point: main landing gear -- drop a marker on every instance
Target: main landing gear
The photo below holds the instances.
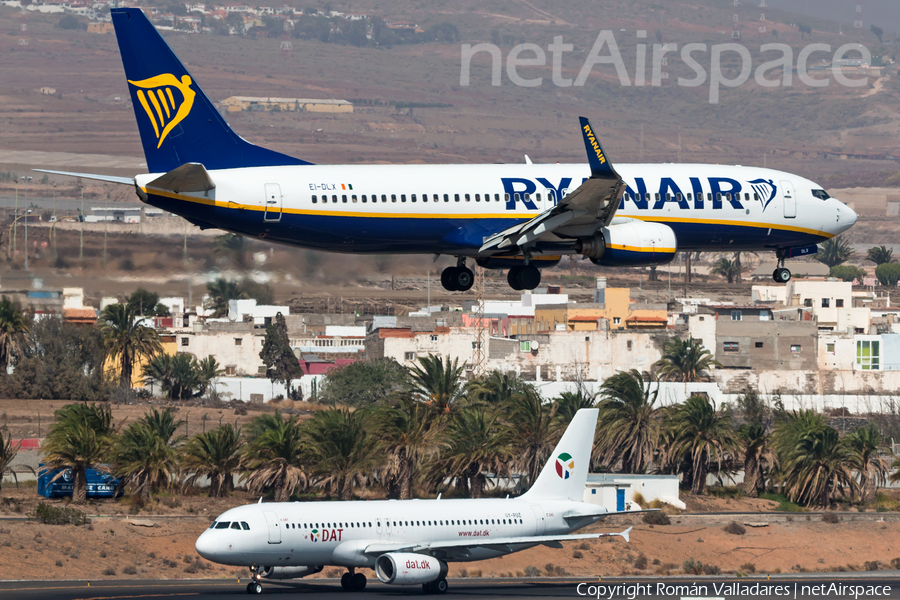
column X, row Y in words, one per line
column 353, row 582
column 459, row 278
column 524, row 277
column 781, row 275
column 438, row 586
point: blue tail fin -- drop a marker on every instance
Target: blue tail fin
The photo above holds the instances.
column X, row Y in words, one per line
column 177, row 122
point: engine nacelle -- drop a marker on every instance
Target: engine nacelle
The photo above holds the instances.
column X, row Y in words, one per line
column 631, row 244
column 289, row 572
column 406, row 568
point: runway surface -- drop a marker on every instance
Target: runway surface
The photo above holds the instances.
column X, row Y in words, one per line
column 466, row 588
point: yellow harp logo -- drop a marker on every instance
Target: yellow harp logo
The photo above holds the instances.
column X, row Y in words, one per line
column 163, row 108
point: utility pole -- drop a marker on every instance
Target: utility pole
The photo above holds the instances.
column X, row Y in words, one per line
column 16, row 216
column 27, row 212
column 478, row 355
column 81, row 241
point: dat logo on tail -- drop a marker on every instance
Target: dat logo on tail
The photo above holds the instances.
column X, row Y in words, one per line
column 160, row 104
column 565, row 465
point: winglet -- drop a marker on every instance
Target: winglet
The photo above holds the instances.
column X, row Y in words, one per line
column 626, row 533
column 601, row 168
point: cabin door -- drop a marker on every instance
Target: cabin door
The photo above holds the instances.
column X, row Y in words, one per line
column 273, row 203
column 790, row 199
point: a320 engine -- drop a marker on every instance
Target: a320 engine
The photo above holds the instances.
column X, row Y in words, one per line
column 631, row 244
column 406, row 568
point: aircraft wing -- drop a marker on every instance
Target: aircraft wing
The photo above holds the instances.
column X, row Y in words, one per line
column 582, row 212
column 106, row 178
column 504, row 544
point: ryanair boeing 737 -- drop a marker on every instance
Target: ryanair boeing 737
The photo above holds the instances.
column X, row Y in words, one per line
column 516, row 217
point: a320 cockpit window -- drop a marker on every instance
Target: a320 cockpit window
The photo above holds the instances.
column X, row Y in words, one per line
column 223, row 524
column 821, row 194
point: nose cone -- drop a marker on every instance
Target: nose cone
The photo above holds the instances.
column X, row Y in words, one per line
column 206, row 546
column 846, row 217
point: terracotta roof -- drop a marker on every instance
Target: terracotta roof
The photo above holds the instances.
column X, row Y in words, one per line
column 79, row 314
column 640, row 319
column 584, row 319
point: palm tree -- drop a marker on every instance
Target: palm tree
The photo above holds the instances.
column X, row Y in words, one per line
column 685, row 361
column 13, row 325
column 143, row 459
column 403, row 434
column 871, row 468
column 276, row 459
column 178, row 375
column 437, row 382
column 532, row 430
column 126, row 340
column 7, row 455
column 628, row 426
column 81, row 437
column 817, row 466
column 216, row 455
column 880, row 255
column 340, row 449
column 834, row 252
column 703, row 437
column 473, row 441
column 756, row 452
column 208, row 369
column 729, row 269
column 493, row 389
column 234, row 248
column 569, row 403
column 221, row 291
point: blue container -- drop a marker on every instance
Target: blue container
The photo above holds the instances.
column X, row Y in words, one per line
column 99, row 484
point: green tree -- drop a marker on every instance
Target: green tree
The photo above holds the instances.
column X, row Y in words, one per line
column 281, row 364
column 147, row 304
column 436, row 382
column 756, row 453
column 880, row 255
column 341, row 450
column 404, row 434
column 474, row 441
column 568, row 403
column 276, row 458
column 628, row 426
column 685, row 361
column 208, row 369
column 177, row 375
column 817, row 466
column 221, row 292
column 126, row 339
column 532, row 430
column 13, row 327
column 7, row 455
column 888, row 274
column 847, row 273
column 364, row 382
column 871, row 469
column 727, row 268
column 703, row 437
column 261, row 292
column 144, row 453
column 233, row 248
column 494, row 389
column 878, row 31
column 215, row 455
column 834, row 251
column 80, row 439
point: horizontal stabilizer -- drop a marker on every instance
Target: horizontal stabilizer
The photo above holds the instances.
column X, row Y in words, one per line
column 189, row 177
column 106, row 178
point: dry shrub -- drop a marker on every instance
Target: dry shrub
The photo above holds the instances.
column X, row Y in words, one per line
column 748, row 568
column 871, row 565
column 656, row 518
column 735, row 528
column 641, row 562
column 830, row 517
column 639, row 499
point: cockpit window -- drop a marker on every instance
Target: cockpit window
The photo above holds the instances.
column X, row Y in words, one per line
column 213, row 526
column 236, row 525
column 245, row 525
column 223, row 524
column 821, row 194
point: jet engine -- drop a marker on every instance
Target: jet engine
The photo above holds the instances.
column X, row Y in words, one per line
column 407, row 568
column 631, row 244
column 288, row 572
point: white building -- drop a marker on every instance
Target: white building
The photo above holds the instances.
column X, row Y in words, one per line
column 617, row 491
column 248, row 310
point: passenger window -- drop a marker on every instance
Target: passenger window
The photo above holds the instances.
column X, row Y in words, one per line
column 551, row 196
column 393, row 197
column 467, row 198
column 223, row 524
column 477, row 197
column 517, row 197
column 746, row 196
column 756, row 197
column 435, row 197
column 402, row 197
column 527, row 197
column 719, row 196
column 456, row 197
column 353, row 198
column 690, row 196
column 678, row 196
column 709, row 197
column 364, row 198
column 537, row 197
column 446, row 198
column 314, row 200
column 413, row 198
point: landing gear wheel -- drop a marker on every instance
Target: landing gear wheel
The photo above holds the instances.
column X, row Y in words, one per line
column 254, row 587
column 781, row 275
column 347, row 582
column 359, row 581
column 463, row 279
column 448, row 278
column 526, row 277
column 440, row 586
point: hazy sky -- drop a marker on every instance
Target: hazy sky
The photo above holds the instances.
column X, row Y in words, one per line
column 884, row 13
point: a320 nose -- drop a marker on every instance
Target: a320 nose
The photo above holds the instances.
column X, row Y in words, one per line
column 206, row 546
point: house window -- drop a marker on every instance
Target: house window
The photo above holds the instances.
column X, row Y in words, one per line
column 808, row 302
column 617, row 320
column 758, row 345
column 261, row 370
column 796, row 348
column 629, row 344
column 829, row 348
column 732, row 346
column 826, row 302
column 434, row 338
column 839, row 303
column 238, row 341
column 525, row 346
column 736, row 315
column 868, row 354
column 476, row 345
column 185, row 341
column 409, row 355
column 230, row 370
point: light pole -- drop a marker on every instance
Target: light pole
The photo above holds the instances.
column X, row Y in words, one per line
column 27, row 212
column 81, row 241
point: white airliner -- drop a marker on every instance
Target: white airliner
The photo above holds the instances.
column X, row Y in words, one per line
column 410, row 542
column 518, row 217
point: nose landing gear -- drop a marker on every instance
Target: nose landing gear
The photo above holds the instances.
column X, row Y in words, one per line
column 781, row 274
column 353, row 582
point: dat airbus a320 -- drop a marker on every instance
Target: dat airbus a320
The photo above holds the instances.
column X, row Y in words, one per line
column 522, row 218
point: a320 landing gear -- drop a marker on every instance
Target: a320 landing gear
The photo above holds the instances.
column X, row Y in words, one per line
column 254, row 587
column 525, row 277
column 780, row 274
column 353, row 582
column 438, row 586
column 459, row 278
